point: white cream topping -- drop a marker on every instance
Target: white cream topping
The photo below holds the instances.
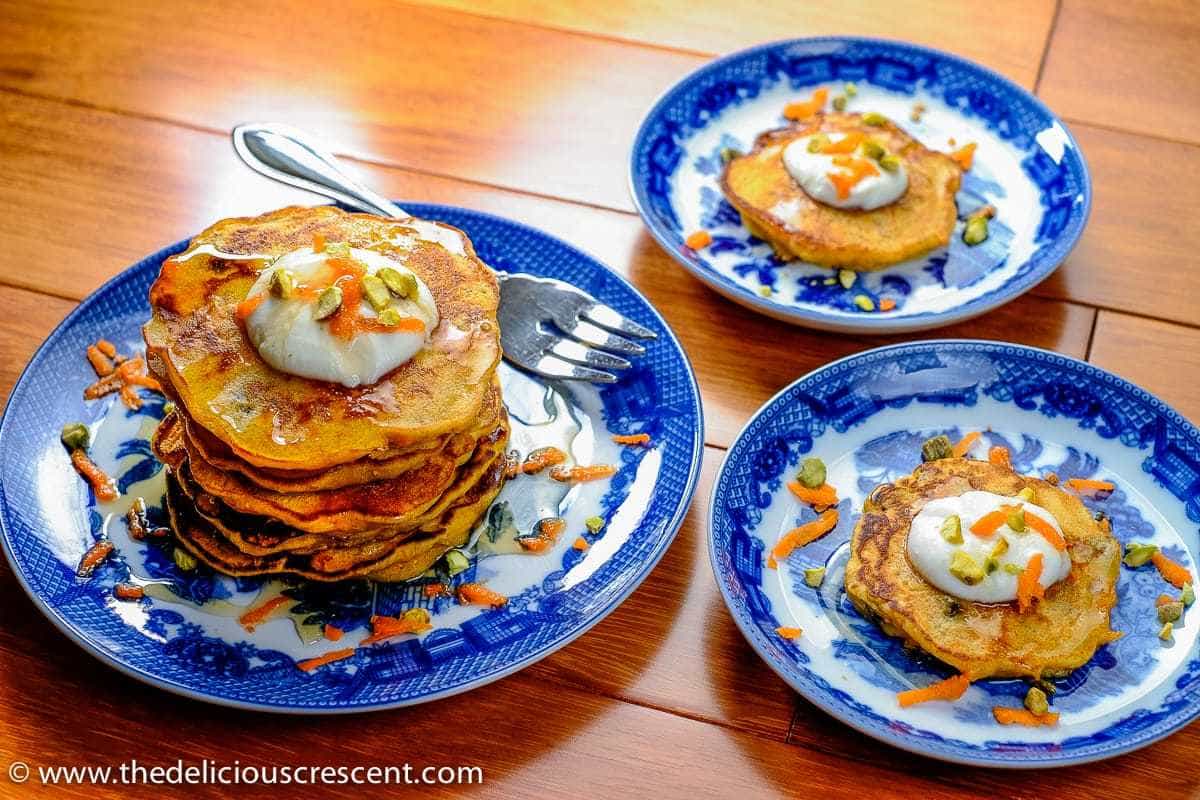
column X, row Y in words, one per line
column 931, row 554
column 812, row 170
column 290, row 340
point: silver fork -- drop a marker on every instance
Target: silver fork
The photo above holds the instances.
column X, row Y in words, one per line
column 546, row 326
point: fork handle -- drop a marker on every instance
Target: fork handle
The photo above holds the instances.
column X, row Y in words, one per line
column 291, row 156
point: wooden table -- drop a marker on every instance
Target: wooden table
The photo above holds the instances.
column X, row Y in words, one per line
column 115, row 142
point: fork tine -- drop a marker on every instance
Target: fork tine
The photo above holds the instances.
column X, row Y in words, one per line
column 596, row 336
column 553, row 367
column 606, row 317
column 577, row 353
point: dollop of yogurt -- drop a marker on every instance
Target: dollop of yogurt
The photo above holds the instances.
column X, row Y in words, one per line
column 931, row 554
column 289, row 338
column 812, row 171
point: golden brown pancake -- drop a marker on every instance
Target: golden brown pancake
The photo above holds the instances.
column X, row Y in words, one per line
column 1058, row 634
column 274, row 420
column 775, row 208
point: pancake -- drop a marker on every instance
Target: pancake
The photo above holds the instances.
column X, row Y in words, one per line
column 1060, row 633
column 776, row 209
column 279, row 421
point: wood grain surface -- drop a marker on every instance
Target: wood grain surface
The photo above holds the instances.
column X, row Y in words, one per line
column 114, row 137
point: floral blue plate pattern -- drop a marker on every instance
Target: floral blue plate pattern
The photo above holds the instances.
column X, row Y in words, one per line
column 184, row 634
column 866, row 417
column 1027, row 166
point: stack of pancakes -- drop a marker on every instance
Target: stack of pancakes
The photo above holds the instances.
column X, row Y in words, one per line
column 273, row 473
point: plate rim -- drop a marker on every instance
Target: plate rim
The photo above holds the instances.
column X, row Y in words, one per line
column 869, row 324
column 79, row 638
column 911, row 744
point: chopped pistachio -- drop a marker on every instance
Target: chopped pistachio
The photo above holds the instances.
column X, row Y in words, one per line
column 183, row 559
column 936, row 448
column 863, row 302
column 965, row 568
column 594, row 524
column 456, row 562
column 813, row 577
column 376, row 292
column 991, row 564
column 1026, row 494
column 1170, row 612
column 1036, row 702
column 812, row 473
column 1016, row 520
column 1164, row 633
column 401, row 284
column 846, row 278
column 1188, row 595
column 416, row 615
column 817, row 142
column 890, row 162
column 839, row 103
column 75, row 436
column 168, row 408
column 873, row 149
column 952, row 529
column 1012, row 569
column 976, row 231
column 337, row 250
column 1137, row 554
column 328, row 302
column 1000, row 548
column 281, row 283
column 874, row 118
column 729, row 154
column 765, row 291
column 390, row 316
column 851, row 90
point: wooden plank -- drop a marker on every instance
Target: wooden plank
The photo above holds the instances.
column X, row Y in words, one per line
column 1137, row 253
column 1016, row 29
column 1158, row 356
column 1128, row 65
column 27, row 319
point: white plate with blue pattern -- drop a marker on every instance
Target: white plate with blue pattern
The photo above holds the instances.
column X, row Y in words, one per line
column 866, row 417
column 185, row 636
column 1027, row 165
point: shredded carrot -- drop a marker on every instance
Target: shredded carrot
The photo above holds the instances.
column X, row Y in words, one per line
column 102, row 485
column 318, row 243
column 259, row 614
column 1089, row 485
column 105, row 386
column 1175, row 574
column 479, row 595
column 1023, row 716
column 1046, row 530
column 1163, row 599
column 106, row 347
column 99, row 361
column 789, row 633
column 309, row 664
column 698, row 240
column 990, row 522
column 130, row 398
column 541, row 458
column 127, row 591
column 248, row 306
column 772, row 563
column 806, row 108
column 964, row 444
column 803, row 534
column 857, row 169
column 583, row 474
column 887, row 304
column 1000, row 457
column 949, row 689
column 138, row 379
column 332, row 633
column 388, row 627
column 434, row 589
column 965, row 155
column 642, row 439
column 94, row 557
column 820, row 498
column 581, row 544
column 1028, row 585
column 846, row 145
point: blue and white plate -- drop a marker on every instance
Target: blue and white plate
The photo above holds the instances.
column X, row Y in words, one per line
column 184, row 635
column 1027, row 165
column 866, row 417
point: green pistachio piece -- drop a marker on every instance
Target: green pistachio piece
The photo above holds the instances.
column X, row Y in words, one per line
column 1164, row 633
column 966, row 569
column 1000, row 548
column 1026, row 494
column 1036, row 702
column 976, row 231
column 418, row 616
column 456, row 562
column 813, row 577
column 829, row 281
column 168, row 408
column 1188, row 595
column 390, row 316
column 890, row 162
column 338, row 250
column 1137, row 554
column 839, row 103
column 1170, row 612
column 328, row 302
column 863, row 302
column 952, row 529
column 851, row 90
column 846, row 278
column 281, row 284
column 991, row 564
column 183, row 559
column 874, row 118
column 1012, row 569
column 376, row 292
column 817, row 142
column 936, row 448
column 873, row 149
column 401, row 284
column 1016, row 520
column 812, row 473
column 594, row 524
column 729, row 154
column 765, row 291
column 75, row 436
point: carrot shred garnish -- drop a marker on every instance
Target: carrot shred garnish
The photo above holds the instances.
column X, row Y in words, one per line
column 772, row 563
column 106, row 347
column 1046, row 530
column 965, row 155
column 789, row 633
column 887, row 304
column 698, row 240
column 130, row 398
column 1163, row 599
column 857, row 169
column 803, row 534
column 1023, row 716
column 642, row 439
column 259, row 614
column 94, row 557
column 806, row 108
column 583, row 474
column 477, row 594
column 248, row 306
column 541, row 458
column 581, row 544
column 128, row 591
column 1000, row 457
column 99, row 361
column 387, row 627
column 949, row 689
column 1089, row 485
column 309, row 664
column 1176, row 574
column 318, row 243
column 847, row 144
column 1028, row 585
column 964, row 444
column 434, row 589
column 990, row 522
column 332, row 632
column 822, row 497
column 102, row 485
